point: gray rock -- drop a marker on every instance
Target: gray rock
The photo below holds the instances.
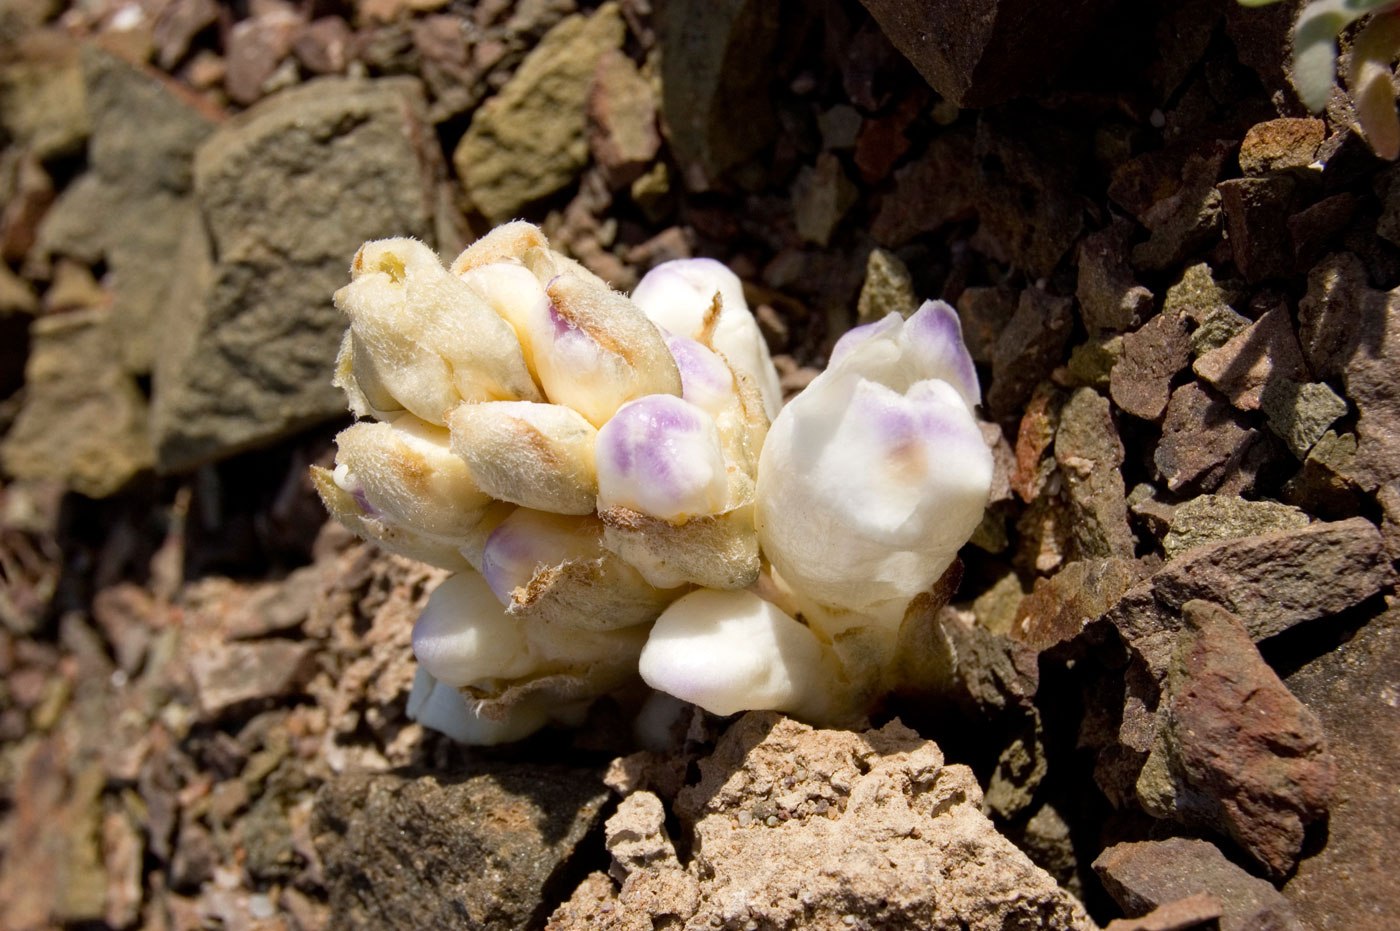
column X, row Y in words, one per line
column 481, row 848
column 251, row 338
column 822, row 195
column 980, row 52
column 716, row 64
column 1090, row 458
column 888, row 288
column 1350, row 882
column 1213, row 518
column 42, row 106
column 1145, row 875
column 1301, row 413
column 144, row 137
column 530, row 139
column 83, row 419
column 1029, row 348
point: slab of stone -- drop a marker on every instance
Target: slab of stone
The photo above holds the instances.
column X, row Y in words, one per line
column 1029, row 349
column 1213, row 518
column 1201, row 910
column 1322, row 486
column 1282, row 143
column 1235, row 751
column 980, row 52
column 251, row 335
column 144, row 135
column 1140, row 383
column 1089, row 455
column 1145, row 875
column 483, row 847
column 530, row 139
column 84, row 418
column 226, row 675
column 1110, row 297
column 1204, row 440
column 1264, row 352
column 1350, row 882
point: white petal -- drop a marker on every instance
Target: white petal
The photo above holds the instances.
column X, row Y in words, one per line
column 442, row 708
column 464, row 636
column 661, row 456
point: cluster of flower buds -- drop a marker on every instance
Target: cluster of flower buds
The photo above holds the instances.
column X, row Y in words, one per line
column 601, row 475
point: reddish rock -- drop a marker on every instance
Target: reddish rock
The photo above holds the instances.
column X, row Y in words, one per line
column 1314, row 227
column 1109, row 296
column 1143, row 876
column 1235, row 751
column 1350, row 883
column 1059, row 607
column 176, row 26
column 1283, row 143
column 622, row 131
column 255, row 48
column 1152, row 356
column 323, row 46
column 934, row 189
column 1201, row 910
column 1034, row 437
column 1029, row 349
column 1265, row 351
column 1173, row 194
column 1204, row 440
column 30, row 192
column 1256, row 214
column 882, row 142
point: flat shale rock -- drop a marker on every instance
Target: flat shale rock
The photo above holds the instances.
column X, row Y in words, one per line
column 1146, row 875
column 1265, row 352
column 530, row 139
column 479, row 849
column 1140, row 383
column 1350, row 882
column 1212, row 518
column 287, row 192
column 802, row 828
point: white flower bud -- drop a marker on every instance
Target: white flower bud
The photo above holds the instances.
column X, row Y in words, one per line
column 444, row 709
column 732, row 651
column 433, row 341
column 661, row 456
column 351, row 507
column 873, row 477
column 531, row 454
column 679, row 296
column 464, row 636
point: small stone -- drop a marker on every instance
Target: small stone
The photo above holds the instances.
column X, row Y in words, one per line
column 73, row 287
column 1203, row 440
column 984, row 313
column 1186, row 220
column 256, row 47
column 996, row 608
column 176, row 26
column 386, row 11
column 1256, row 214
column 882, row 141
column 1264, row 353
column 323, row 46
column 888, row 288
column 1322, row 485
column 1029, row 349
column 1338, row 297
column 17, row 300
column 530, row 139
column 1089, row 455
column 1091, row 364
column 622, row 120
column 230, row 674
column 1301, row 414
column 1033, row 467
column 1145, row 504
column 1027, row 204
column 1201, row 911
column 930, row 191
column 1148, row 874
column 1062, row 605
column 1315, row 227
column 26, row 192
column 1109, row 296
column 122, row 853
column 43, row 107
column 839, row 127
column 1235, row 751
column 1200, row 298
column 822, row 195
column 1212, row 518
column 1278, row 144
column 1152, row 356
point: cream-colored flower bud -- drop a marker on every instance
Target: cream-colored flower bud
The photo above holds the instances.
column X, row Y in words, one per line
column 352, row 508
column 464, row 636
column 554, row 569
column 434, row 342
column 732, row 651
column 531, row 454
column 680, row 296
column 874, row 476
column 443, row 708
column 356, row 374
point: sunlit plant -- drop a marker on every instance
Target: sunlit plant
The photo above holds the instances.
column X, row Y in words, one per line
column 602, row 476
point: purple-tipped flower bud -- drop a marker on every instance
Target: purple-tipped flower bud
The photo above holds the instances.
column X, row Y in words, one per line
column 661, row 456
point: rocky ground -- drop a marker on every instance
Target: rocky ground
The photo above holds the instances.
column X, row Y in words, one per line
column 1171, row 690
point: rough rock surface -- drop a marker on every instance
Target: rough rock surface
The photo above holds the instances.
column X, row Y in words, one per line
column 252, row 336
column 1350, row 883
column 480, row 847
column 1212, row 518
column 530, row 140
column 802, row 828
column 1142, row 876
column 1089, row 455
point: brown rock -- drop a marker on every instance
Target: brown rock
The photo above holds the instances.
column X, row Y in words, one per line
column 1315, row 227
column 1152, row 356
column 1109, row 296
column 1235, row 751
column 1090, row 456
column 255, row 48
column 1201, row 910
column 980, row 52
column 1204, row 440
column 1145, row 875
column 408, row 850
column 1279, row 144
column 622, row 120
column 1034, row 437
column 1213, row 518
column 1183, row 221
column 229, row 674
column 932, row 190
column 1264, row 352
column 882, row 142
column 1061, row 606
column 323, row 46
column 1338, row 298
column 26, row 191
column 1029, row 348
column 1205, row 302
column 1350, row 882
column 176, row 26
column 1256, row 214
column 984, row 312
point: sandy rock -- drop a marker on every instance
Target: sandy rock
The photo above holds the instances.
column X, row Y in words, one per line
column 530, row 139
column 716, row 116
column 1350, row 883
column 992, row 50
column 1029, row 348
column 1212, row 518
column 1145, row 875
column 888, row 288
column 42, row 104
column 144, row 136
column 1109, row 296
column 1235, row 751
column 1279, row 144
column 84, row 418
column 227, row 675
column 1265, row 352
column 1090, row 456
column 252, row 335
column 404, row 850
column 1152, row 356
